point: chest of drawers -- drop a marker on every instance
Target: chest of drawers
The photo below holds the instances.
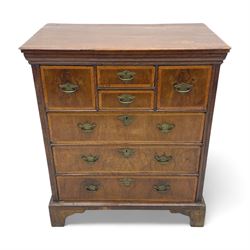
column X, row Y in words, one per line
column 126, row 113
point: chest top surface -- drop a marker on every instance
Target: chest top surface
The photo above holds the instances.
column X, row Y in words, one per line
column 99, row 37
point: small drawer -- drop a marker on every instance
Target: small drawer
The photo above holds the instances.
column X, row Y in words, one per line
column 183, row 87
column 127, row 188
column 68, row 87
column 108, row 127
column 126, row 158
column 118, row 99
column 125, row 76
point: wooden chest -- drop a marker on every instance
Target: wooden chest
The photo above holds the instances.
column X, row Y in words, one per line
column 126, row 112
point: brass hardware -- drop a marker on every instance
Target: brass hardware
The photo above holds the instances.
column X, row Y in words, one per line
column 165, row 127
column 126, row 181
column 163, row 159
column 162, row 187
column 87, row 127
column 90, row 158
column 91, row 187
column 127, row 120
column 69, row 88
column 126, row 75
column 183, row 87
column 126, row 152
column 126, row 98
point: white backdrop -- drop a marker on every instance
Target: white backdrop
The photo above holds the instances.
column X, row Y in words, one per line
column 24, row 184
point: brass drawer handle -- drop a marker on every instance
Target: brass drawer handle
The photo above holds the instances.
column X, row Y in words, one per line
column 126, row 181
column 162, row 187
column 163, row 159
column 126, row 119
column 165, row 127
column 91, row 187
column 69, row 88
column 126, row 75
column 90, row 158
column 126, row 152
column 87, row 127
column 183, row 87
column 126, row 98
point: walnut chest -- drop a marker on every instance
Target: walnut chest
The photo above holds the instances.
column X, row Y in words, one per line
column 126, row 113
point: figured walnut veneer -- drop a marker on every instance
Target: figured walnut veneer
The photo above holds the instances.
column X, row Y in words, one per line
column 126, row 113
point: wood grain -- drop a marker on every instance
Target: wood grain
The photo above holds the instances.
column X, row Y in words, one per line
column 91, row 56
column 61, row 209
column 64, row 127
column 125, row 37
column 207, row 131
column 68, row 159
column 45, row 129
column 55, row 98
column 109, row 100
column 197, row 76
column 107, row 76
column 182, row 189
column 58, row 214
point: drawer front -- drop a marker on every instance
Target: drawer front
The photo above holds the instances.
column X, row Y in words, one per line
column 68, row 87
column 125, row 76
column 93, row 127
column 171, row 189
column 118, row 100
column 128, row 158
column 183, row 87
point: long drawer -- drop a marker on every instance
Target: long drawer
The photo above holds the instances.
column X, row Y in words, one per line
column 96, row 127
column 169, row 189
column 128, row 158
